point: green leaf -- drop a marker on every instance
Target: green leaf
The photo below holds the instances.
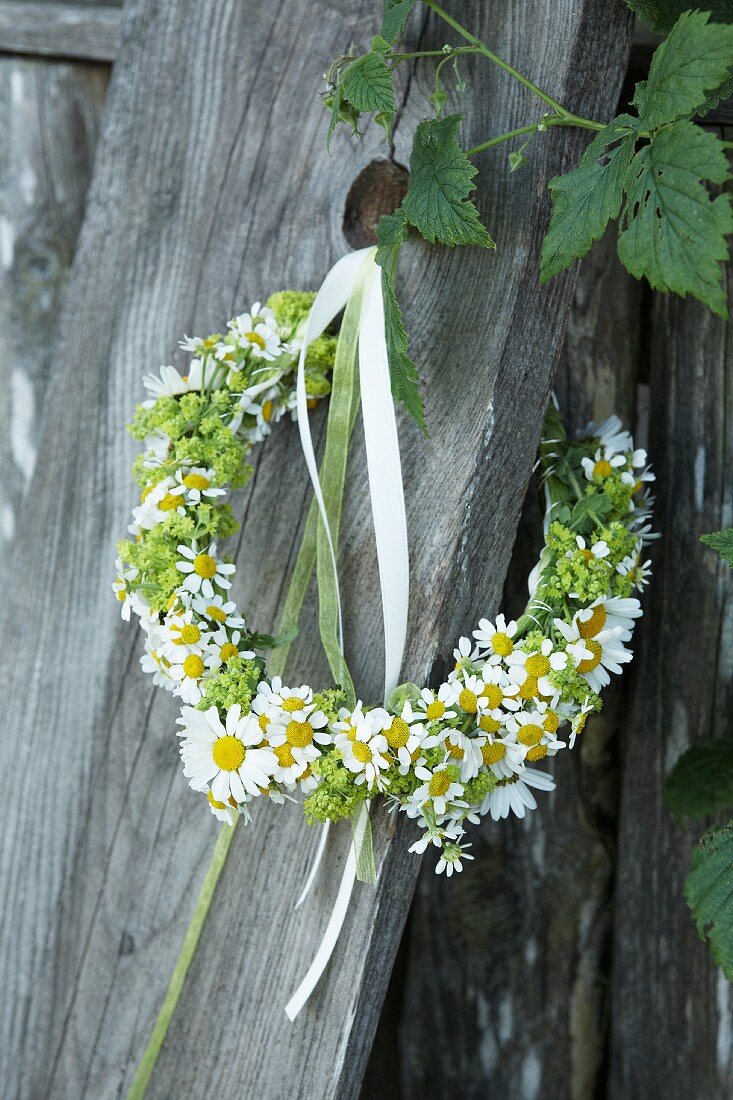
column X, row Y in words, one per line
column 722, row 541
column 367, row 81
column 695, row 59
column 441, row 178
column 585, row 199
column 394, row 17
column 709, row 894
column 674, row 233
column 391, row 232
column 663, row 14
column 701, row 781
column 403, row 373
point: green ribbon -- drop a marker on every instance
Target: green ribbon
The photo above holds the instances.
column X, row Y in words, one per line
column 313, row 553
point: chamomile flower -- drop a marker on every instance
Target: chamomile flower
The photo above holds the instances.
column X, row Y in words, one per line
column 121, row 588
column 366, row 757
column 464, row 752
column 254, row 332
column 638, row 572
column 218, row 610
column 226, row 646
column 197, row 484
column 495, row 640
column 451, row 858
column 289, row 769
column 502, row 755
column 537, row 665
column 595, row 658
column 404, row 734
column 530, row 729
column 464, row 655
column 182, row 634
column 154, row 664
column 158, row 502
column 167, row 383
column 577, row 724
column 188, row 670
column 606, row 613
column 598, row 550
column 347, row 725
column 436, row 706
column 602, row 465
column 223, row 811
column 303, row 729
column 611, row 435
column 439, row 788
column 228, row 758
column 203, row 569
column 513, row 794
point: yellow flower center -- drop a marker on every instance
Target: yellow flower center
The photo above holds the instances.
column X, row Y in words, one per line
column 579, row 724
column 537, row 665
column 362, row 752
column 190, row 634
column 435, row 710
column 267, row 411
column 502, row 644
column 531, row 734
column 537, row 752
column 216, row 613
column 196, row 481
column 227, row 651
column 439, row 784
column 263, row 721
column 398, row 733
column 284, row 754
column 591, row 662
column 468, row 701
column 255, row 338
column 299, row 734
column 204, row 565
column 169, row 502
column 193, row 666
column 493, row 695
column 229, row 753
column 528, row 690
column 492, row 754
column 488, row 724
column 455, row 751
column 292, row 703
column 213, row 802
column 551, row 722
column 602, row 468
column 588, row 628
column 146, row 492
column 121, row 594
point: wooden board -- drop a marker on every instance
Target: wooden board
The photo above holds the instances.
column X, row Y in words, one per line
column 210, row 190
column 88, row 31
column 49, row 119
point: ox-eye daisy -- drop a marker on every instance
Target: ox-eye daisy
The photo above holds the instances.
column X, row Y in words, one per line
column 228, row 758
column 203, row 569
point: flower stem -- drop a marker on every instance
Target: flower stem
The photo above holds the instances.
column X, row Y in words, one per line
column 574, row 120
column 543, row 123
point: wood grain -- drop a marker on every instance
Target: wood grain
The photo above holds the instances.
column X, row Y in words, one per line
column 212, row 187
column 87, row 31
column 672, row 1030
column 49, row 120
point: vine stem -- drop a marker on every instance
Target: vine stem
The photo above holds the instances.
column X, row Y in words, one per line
column 571, row 119
column 547, row 121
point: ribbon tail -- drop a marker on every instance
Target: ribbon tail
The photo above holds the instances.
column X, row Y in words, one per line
column 314, row 865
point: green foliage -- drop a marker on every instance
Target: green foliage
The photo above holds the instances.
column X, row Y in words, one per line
column 394, row 17
column 672, row 232
column 235, row 683
column 441, row 179
column 709, row 892
column 663, row 14
column 365, row 86
column 701, row 781
column 337, row 795
column 586, row 199
column 722, row 541
column 403, row 373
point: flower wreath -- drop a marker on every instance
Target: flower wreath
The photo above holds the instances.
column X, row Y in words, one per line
column 445, row 756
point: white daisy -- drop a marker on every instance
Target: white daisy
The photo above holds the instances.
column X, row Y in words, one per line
column 451, row 858
column 578, row 723
column 168, row 383
column 464, row 752
column 639, row 573
column 365, row 756
column 289, row 769
column 218, row 610
column 303, row 729
column 602, row 465
column 611, row 434
column 188, row 671
column 464, row 654
column 435, row 707
column 197, row 484
column 607, row 613
column 598, row 550
column 158, row 502
column 513, row 794
column 347, row 725
column 182, row 634
column 596, row 657
column 228, row 758
column 155, row 665
column 121, row 590
column 223, row 811
column 530, row 729
column 503, row 756
column 254, row 332
column 203, row 570
column 537, row 666
column 495, row 639
column 438, row 788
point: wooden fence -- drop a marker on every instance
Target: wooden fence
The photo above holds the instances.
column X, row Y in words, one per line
column 563, row 962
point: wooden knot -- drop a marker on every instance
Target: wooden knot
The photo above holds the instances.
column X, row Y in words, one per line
column 378, row 189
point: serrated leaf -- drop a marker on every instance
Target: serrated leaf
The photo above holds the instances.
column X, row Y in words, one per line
column 663, row 14
column 403, row 373
column 367, row 81
column 391, row 232
column 722, row 541
column 701, row 781
column 674, row 233
column 695, row 59
column 441, row 178
column 586, row 199
column 394, row 17
column 723, row 92
column 709, row 894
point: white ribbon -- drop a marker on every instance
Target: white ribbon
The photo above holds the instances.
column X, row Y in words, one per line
column 388, row 513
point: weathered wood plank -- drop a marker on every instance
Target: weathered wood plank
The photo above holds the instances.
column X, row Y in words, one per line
column 91, row 32
column 49, row 119
column 672, row 1024
column 517, row 988
column 199, row 202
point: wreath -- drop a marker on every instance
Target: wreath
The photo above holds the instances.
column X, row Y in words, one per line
column 446, row 755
